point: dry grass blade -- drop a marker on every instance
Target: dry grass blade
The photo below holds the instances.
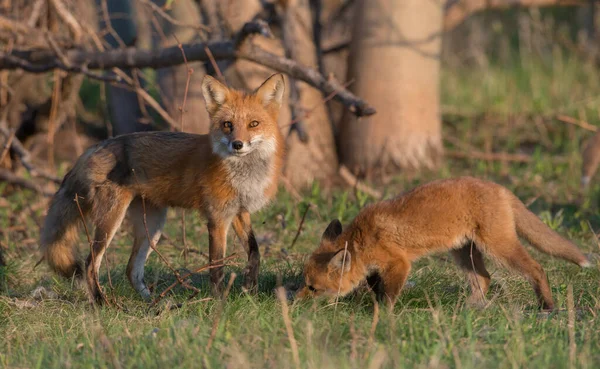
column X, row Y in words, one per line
column 219, row 313
column 374, row 323
column 285, row 312
column 571, row 327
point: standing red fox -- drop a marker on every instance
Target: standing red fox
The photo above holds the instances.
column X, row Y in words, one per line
column 467, row 216
column 227, row 175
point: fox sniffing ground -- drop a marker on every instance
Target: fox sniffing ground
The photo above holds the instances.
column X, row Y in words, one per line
column 467, row 216
column 227, row 174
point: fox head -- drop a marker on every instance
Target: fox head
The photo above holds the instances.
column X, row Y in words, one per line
column 328, row 271
column 243, row 123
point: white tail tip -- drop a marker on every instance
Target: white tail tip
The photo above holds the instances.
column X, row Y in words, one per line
column 585, row 264
column 585, row 180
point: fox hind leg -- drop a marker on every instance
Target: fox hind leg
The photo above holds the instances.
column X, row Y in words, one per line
column 243, row 228
column 155, row 221
column 470, row 260
column 506, row 247
column 108, row 213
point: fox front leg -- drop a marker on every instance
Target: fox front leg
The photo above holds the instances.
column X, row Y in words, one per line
column 217, row 243
column 393, row 278
column 243, row 229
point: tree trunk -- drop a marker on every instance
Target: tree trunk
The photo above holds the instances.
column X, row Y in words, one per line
column 124, row 107
column 316, row 159
column 395, row 62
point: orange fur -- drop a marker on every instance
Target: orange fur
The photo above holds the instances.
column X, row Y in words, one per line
column 227, row 175
column 467, row 216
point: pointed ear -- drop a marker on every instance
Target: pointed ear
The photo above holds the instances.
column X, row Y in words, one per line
column 271, row 91
column 342, row 259
column 215, row 93
column 334, row 229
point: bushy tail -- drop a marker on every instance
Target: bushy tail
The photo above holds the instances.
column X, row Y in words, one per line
column 539, row 235
column 59, row 233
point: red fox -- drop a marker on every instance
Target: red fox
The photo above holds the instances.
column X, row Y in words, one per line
column 227, row 174
column 467, row 216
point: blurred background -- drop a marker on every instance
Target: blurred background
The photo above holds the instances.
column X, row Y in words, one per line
column 483, row 83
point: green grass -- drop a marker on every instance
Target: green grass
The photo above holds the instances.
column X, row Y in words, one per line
column 46, row 323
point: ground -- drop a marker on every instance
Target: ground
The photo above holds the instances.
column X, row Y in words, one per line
column 45, row 322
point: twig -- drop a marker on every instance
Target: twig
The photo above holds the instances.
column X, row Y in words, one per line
column 219, row 264
column 577, row 122
column 214, row 64
column 91, row 243
column 219, row 313
column 324, row 101
column 108, row 24
column 190, row 71
column 68, row 18
column 7, row 143
column 147, row 98
column 300, row 226
column 52, row 124
column 157, row 9
column 285, row 312
column 351, row 180
column 36, row 12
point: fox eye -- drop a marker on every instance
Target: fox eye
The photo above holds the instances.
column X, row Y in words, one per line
column 312, row 289
column 253, row 124
column 227, row 125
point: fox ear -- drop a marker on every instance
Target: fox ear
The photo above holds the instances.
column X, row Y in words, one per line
column 215, row 93
column 341, row 261
column 334, row 229
column 271, row 91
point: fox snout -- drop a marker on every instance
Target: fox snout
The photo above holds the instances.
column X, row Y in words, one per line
column 237, row 145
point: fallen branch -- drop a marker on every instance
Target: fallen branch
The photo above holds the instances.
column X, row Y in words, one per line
column 25, row 156
column 13, row 179
column 40, row 61
column 502, row 156
column 459, row 10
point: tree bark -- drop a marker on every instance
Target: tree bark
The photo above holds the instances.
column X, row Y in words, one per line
column 316, row 159
column 395, row 62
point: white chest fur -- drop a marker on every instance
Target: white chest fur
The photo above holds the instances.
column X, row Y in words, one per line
column 250, row 176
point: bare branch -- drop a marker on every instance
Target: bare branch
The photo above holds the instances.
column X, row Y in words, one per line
column 68, row 18
column 39, row 61
column 11, row 178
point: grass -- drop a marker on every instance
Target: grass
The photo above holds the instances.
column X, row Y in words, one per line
column 45, row 322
